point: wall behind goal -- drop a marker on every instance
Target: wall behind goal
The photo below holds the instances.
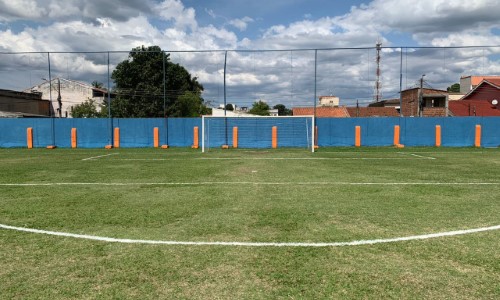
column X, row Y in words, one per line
column 178, row 132
column 455, row 131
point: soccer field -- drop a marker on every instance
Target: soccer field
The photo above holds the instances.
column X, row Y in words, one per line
column 344, row 223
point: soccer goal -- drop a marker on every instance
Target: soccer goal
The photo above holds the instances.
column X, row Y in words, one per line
column 257, row 132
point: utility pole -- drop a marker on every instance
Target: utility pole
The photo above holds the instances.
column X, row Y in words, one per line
column 59, row 99
column 420, row 96
column 378, row 85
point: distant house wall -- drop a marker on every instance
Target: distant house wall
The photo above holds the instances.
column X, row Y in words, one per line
column 485, row 92
column 468, row 83
column 72, row 93
column 329, row 101
column 435, row 101
column 25, row 103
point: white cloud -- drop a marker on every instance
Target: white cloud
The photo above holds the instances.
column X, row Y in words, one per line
column 58, row 10
column 91, row 25
column 242, row 23
column 175, row 10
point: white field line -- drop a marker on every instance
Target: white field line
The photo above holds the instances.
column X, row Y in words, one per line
column 239, row 182
column 416, row 155
column 96, row 157
column 420, row 156
column 252, row 244
column 268, row 158
column 296, row 158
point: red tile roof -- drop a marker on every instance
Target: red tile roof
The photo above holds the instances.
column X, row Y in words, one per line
column 495, row 81
column 468, row 107
column 321, row 111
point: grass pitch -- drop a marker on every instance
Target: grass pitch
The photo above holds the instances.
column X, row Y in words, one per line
column 334, row 195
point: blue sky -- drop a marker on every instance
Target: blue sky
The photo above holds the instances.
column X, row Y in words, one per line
column 288, row 76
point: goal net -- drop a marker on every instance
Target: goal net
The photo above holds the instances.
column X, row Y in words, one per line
column 257, row 132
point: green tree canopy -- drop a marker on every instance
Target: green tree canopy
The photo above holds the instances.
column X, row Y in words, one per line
column 282, row 110
column 139, row 86
column 229, row 106
column 260, row 108
column 454, row 88
column 87, row 109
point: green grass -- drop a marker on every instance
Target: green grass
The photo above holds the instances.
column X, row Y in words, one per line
column 309, row 200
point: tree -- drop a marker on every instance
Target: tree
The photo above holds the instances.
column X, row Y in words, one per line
column 97, row 84
column 87, row 109
column 189, row 105
column 282, row 110
column 139, row 86
column 259, row 108
column 229, row 106
column 454, row 88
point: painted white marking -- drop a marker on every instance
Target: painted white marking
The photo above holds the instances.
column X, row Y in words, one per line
column 420, row 156
column 265, row 158
column 300, row 158
column 416, row 155
column 252, row 244
column 241, row 182
column 95, row 157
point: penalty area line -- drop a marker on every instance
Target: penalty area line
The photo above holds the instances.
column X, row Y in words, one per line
column 251, row 244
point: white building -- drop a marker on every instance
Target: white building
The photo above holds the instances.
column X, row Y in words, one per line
column 70, row 93
column 329, row 101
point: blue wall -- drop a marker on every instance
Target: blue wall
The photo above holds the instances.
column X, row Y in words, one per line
column 178, row 132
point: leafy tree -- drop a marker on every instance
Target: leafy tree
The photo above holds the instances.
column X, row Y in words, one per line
column 454, row 88
column 87, row 109
column 189, row 105
column 139, row 86
column 282, row 110
column 229, row 106
column 97, row 84
column 260, row 108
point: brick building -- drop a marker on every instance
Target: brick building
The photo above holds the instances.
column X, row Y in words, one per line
column 433, row 103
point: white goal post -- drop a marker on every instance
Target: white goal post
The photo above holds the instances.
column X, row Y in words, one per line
column 257, row 132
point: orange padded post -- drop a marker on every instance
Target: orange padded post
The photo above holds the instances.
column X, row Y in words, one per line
column 357, row 137
column 73, row 138
column 29, row 137
column 195, row 138
column 396, row 135
column 116, row 143
column 477, row 140
column 438, row 135
column 235, row 137
column 316, row 137
column 275, row 137
column 156, row 137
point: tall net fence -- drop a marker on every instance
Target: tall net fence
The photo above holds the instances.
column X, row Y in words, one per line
column 293, row 78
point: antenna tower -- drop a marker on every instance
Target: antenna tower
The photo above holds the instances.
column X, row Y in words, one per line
column 378, row 85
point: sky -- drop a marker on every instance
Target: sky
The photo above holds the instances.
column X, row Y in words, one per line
column 343, row 32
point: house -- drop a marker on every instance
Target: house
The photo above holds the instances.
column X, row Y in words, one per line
column 329, row 101
column 395, row 104
column 66, row 93
column 468, row 83
column 14, row 104
column 424, row 102
column 482, row 100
